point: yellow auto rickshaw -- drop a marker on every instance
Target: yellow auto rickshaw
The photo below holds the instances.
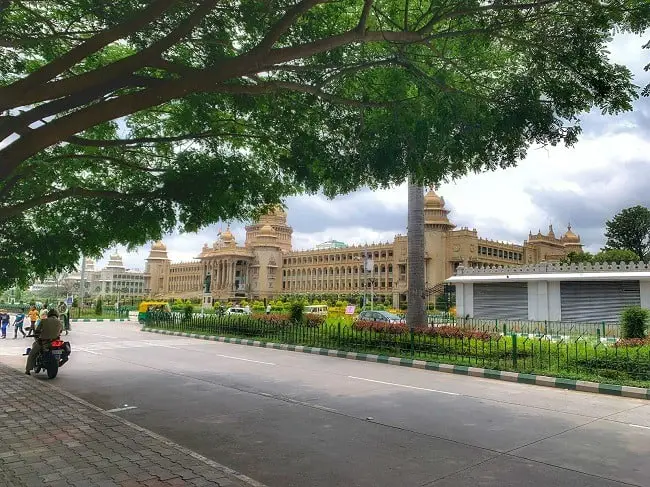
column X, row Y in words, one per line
column 151, row 306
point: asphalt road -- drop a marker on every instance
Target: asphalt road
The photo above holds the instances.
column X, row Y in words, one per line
column 292, row 419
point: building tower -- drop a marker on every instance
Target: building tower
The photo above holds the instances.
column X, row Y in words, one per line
column 436, row 232
column 156, row 279
column 572, row 241
column 266, row 269
column 277, row 220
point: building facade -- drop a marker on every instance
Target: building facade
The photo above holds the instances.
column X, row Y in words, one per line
column 114, row 280
column 592, row 293
column 266, row 266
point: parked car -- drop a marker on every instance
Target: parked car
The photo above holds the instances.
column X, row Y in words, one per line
column 236, row 310
column 385, row 316
column 316, row 309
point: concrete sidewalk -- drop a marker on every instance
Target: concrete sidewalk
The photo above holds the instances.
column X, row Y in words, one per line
column 50, row 437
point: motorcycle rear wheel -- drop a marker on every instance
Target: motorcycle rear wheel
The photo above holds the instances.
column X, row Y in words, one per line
column 52, row 368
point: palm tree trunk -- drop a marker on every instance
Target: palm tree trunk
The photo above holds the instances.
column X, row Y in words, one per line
column 416, row 314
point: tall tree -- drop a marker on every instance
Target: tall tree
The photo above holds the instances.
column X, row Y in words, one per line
column 169, row 114
column 416, row 315
column 630, row 230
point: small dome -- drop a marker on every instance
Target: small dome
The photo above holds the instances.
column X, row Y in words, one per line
column 227, row 236
column 571, row 237
column 432, row 200
column 159, row 246
column 267, row 231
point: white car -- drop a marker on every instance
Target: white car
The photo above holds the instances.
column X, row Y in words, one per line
column 235, row 310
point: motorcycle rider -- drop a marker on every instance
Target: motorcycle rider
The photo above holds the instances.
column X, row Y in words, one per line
column 48, row 329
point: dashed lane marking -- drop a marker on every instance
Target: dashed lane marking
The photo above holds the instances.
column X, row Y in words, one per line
column 404, row 386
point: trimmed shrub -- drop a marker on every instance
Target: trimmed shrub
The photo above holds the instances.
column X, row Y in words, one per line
column 634, row 322
column 312, row 320
column 99, row 308
column 454, row 332
column 188, row 310
column 275, row 318
column 380, row 326
column 632, row 342
column 296, row 311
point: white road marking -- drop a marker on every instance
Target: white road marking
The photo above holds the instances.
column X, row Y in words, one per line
column 98, row 334
column 155, row 344
column 116, row 410
column 79, row 349
column 244, row 359
column 405, row 386
column 639, row 426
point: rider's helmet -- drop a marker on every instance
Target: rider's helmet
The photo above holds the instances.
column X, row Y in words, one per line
column 53, row 313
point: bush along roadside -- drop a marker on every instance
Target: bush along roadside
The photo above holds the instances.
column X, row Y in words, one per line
column 581, row 358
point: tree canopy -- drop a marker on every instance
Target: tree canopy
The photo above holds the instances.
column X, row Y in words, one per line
column 630, row 230
column 605, row 256
column 122, row 120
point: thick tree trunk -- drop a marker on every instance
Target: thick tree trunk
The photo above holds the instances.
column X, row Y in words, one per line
column 416, row 313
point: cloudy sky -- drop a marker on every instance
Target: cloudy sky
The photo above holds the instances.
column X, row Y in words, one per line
column 608, row 170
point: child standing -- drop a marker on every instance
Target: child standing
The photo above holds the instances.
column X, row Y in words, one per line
column 18, row 323
column 4, row 322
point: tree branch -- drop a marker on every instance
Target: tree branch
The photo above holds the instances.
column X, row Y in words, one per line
column 128, row 65
column 78, row 53
column 274, row 86
column 494, row 7
column 118, row 160
column 20, row 123
column 284, row 24
column 18, row 209
column 84, row 142
column 361, row 26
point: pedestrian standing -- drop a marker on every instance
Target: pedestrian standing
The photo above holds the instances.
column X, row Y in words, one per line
column 268, row 309
column 18, row 323
column 33, row 318
column 4, row 322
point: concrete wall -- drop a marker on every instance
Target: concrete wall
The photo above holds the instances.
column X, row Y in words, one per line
column 465, row 300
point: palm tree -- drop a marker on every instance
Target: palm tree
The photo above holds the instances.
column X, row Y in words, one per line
column 416, row 313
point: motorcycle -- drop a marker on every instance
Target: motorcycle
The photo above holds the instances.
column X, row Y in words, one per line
column 51, row 357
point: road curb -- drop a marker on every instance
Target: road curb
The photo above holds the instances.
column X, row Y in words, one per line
column 539, row 380
column 94, row 320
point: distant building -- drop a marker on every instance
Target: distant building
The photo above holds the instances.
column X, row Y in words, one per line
column 113, row 279
column 266, row 266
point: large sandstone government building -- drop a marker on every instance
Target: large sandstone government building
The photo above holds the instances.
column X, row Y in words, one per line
column 266, row 266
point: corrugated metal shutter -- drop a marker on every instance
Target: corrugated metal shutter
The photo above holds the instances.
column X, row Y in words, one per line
column 501, row 300
column 597, row 301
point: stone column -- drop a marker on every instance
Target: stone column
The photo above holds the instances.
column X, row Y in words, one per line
column 386, row 277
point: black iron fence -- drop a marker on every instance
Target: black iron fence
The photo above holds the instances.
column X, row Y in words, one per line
column 580, row 357
column 554, row 329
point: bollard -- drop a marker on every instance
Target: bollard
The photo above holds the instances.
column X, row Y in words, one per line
column 514, row 350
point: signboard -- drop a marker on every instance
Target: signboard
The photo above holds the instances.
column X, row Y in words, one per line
column 69, row 300
column 349, row 310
